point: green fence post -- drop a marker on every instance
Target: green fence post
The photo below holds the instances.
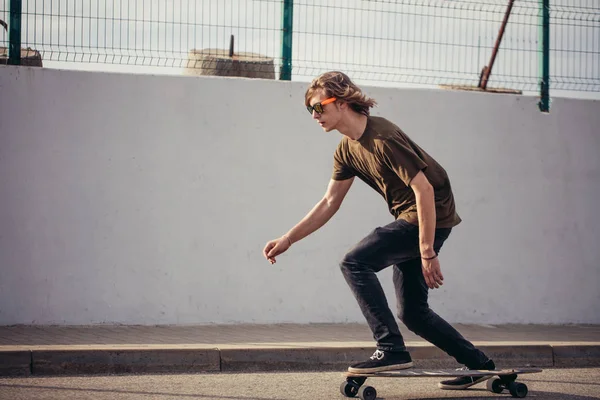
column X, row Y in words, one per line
column 544, row 103
column 286, row 40
column 14, row 33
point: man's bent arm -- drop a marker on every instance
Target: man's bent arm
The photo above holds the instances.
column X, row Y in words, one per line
column 322, row 211
column 426, row 213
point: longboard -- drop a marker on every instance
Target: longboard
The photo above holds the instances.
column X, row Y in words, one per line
column 506, row 379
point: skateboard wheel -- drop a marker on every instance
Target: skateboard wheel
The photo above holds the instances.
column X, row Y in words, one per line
column 348, row 389
column 494, row 385
column 367, row 393
column 517, row 389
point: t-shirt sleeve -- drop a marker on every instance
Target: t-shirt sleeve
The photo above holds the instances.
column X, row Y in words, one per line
column 341, row 171
column 402, row 159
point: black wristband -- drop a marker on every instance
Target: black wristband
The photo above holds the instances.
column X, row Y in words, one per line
column 430, row 258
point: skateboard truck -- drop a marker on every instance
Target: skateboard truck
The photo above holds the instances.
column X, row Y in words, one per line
column 516, row 389
column 352, row 387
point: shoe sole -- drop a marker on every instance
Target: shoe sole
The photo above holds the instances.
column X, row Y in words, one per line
column 465, row 386
column 393, row 367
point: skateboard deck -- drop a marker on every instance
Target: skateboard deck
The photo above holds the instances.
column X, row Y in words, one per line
column 497, row 380
column 404, row 373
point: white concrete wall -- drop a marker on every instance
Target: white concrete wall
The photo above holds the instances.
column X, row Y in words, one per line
column 148, row 200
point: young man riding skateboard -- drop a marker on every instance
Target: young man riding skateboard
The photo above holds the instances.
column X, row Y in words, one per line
column 418, row 194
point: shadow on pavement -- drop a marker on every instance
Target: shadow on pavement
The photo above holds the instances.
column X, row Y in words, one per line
column 132, row 392
column 485, row 395
column 568, row 382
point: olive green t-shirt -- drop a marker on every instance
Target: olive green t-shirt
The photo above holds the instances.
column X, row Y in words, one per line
column 386, row 159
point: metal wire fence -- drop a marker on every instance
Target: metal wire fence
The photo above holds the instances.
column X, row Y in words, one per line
column 575, row 45
column 388, row 42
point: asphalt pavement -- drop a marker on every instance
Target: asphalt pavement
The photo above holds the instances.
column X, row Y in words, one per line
column 551, row 384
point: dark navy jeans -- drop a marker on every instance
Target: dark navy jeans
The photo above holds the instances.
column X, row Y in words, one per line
column 397, row 245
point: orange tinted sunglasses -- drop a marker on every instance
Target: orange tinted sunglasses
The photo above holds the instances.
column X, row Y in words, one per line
column 318, row 107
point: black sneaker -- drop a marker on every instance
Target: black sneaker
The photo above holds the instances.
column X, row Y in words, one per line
column 463, row 382
column 383, row 361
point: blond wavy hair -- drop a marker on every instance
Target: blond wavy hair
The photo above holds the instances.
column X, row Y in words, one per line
column 339, row 85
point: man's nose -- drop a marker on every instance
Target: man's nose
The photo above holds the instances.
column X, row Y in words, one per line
column 315, row 114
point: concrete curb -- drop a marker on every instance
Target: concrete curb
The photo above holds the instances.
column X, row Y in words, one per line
column 140, row 361
column 79, row 361
column 15, row 363
column 574, row 356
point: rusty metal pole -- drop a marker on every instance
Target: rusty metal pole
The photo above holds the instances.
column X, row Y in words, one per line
column 487, row 70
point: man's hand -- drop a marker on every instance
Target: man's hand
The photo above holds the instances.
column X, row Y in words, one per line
column 276, row 247
column 432, row 273
column 316, row 218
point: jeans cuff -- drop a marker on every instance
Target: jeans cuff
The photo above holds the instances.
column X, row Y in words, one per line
column 392, row 349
